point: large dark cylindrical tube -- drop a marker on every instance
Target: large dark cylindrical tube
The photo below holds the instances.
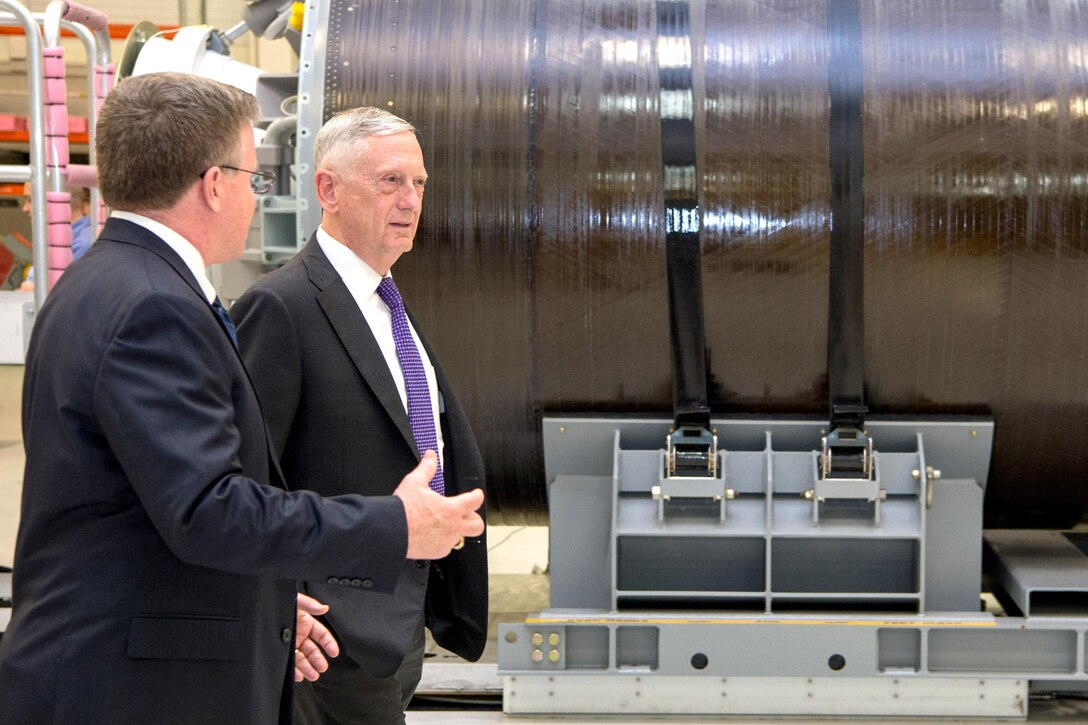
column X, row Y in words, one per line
column 539, row 270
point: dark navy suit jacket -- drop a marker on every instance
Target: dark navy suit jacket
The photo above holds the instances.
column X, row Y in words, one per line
column 155, row 566
column 337, row 421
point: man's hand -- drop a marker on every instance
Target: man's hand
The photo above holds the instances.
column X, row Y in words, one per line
column 436, row 523
column 312, row 640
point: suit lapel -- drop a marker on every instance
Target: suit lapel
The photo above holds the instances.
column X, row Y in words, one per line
column 355, row 335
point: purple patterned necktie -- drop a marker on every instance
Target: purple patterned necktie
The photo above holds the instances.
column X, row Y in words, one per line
column 420, row 413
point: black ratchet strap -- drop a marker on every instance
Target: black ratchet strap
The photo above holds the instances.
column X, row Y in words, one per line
column 846, row 321
column 682, row 246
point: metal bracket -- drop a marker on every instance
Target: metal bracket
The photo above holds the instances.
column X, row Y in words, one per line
column 846, row 453
column 927, row 477
column 668, row 488
column 840, row 489
column 691, row 451
column 690, row 469
column 847, row 470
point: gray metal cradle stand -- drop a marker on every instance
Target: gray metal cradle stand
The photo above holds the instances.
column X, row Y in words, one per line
column 769, row 588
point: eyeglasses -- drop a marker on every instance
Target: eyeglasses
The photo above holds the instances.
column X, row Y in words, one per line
column 259, row 181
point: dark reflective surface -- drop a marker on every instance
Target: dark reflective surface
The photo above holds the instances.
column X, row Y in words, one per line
column 539, row 271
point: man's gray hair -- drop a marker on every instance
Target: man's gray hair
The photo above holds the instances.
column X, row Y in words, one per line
column 341, row 138
column 158, row 133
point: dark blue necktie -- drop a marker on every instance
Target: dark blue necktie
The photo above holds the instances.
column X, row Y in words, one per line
column 227, row 322
column 420, row 412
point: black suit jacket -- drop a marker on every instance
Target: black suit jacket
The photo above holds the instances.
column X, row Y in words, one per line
column 154, row 577
column 337, row 421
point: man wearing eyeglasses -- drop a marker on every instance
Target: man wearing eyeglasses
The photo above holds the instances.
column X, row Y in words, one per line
column 158, row 548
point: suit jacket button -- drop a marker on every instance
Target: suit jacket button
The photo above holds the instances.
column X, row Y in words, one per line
column 333, row 580
column 356, row 582
column 368, row 584
column 285, row 634
column 421, row 564
column 345, row 582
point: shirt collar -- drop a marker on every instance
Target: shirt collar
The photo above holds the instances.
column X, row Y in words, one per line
column 179, row 244
column 357, row 274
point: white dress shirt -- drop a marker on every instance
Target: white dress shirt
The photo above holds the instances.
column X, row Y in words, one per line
column 362, row 282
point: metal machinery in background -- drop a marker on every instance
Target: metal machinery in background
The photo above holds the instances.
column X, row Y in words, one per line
column 783, row 566
column 770, row 293
column 540, row 268
column 47, row 126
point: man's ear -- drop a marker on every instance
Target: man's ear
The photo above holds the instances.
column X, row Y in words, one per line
column 211, row 188
column 328, row 188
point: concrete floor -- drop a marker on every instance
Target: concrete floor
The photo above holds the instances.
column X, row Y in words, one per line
column 518, row 556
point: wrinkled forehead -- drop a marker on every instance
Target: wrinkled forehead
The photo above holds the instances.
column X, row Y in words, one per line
column 394, row 149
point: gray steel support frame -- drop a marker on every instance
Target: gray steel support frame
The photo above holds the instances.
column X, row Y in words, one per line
column 759, row 622
column 1043, row 572
column 610, row 550
column 929, row 665
column 578, row 694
